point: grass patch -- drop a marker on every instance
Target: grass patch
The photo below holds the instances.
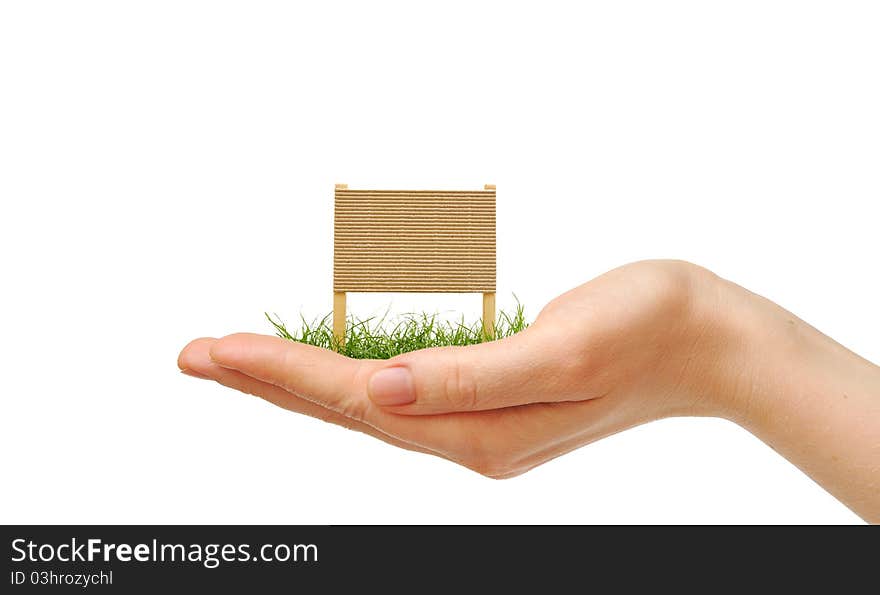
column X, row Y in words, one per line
column 381, row 338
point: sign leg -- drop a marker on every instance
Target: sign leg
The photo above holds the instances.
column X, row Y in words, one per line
column 489, row 315
column 339, row 317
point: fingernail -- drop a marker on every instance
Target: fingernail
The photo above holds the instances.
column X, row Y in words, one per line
column 392, row 386
column 189, row 372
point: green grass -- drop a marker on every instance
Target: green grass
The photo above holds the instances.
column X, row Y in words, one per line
column 381, row 338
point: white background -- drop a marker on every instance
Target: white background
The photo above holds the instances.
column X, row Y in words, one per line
column 166, row 172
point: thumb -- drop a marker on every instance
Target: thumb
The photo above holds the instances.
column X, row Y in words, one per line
column 517, row 370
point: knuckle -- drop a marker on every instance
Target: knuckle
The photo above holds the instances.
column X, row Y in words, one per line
column 353, row 408
column 675, row 281
column 461, row 388
column 348, row 402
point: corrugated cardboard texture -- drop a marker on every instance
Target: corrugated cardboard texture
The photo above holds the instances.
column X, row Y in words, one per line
column 414, row 241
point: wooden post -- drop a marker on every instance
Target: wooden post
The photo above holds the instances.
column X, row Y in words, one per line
column 339, row 317
column 489, row 315
column 339, row 302
column 489, row 299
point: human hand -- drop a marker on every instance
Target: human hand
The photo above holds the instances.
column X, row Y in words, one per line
column 648, row 340
column 608, row 355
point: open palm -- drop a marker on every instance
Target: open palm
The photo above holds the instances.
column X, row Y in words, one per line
column 600, row 358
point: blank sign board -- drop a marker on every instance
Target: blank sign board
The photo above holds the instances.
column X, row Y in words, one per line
column 414, row 240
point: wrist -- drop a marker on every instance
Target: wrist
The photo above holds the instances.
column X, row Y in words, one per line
column 770, row 364
column 742, row 344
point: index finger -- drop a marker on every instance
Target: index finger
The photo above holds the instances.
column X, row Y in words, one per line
column 312, row 373
column 339, row 383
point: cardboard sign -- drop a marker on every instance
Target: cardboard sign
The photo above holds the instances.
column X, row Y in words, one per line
column 414, row 241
